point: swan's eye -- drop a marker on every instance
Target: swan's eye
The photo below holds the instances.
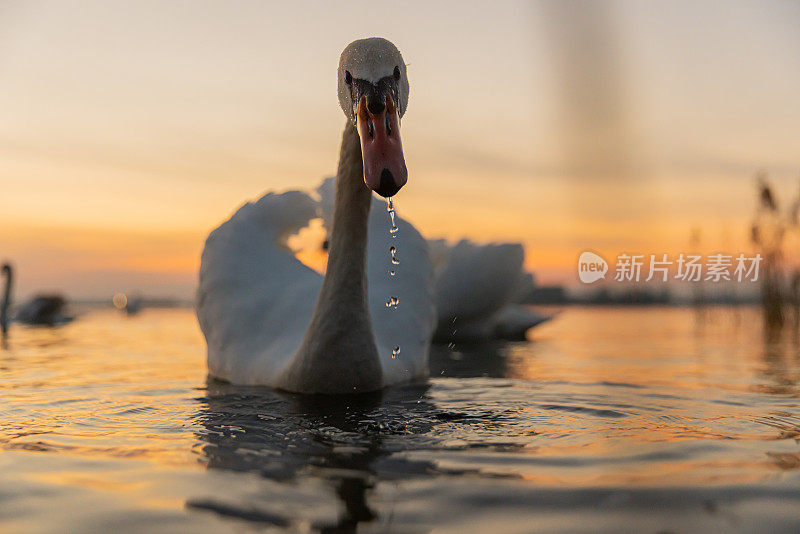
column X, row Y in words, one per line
column 388, row 125
column 370, row 126
column 397, row 73
column 348, row 78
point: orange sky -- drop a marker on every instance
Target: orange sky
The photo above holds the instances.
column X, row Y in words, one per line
column 129, row 130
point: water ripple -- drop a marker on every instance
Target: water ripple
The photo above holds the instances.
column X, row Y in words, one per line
column 635, row 413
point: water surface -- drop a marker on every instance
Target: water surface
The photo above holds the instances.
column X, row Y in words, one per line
column 637, row 419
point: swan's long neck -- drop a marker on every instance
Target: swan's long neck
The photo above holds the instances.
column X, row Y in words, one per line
column 338, row 354
column 6, row 303
column 345, row 280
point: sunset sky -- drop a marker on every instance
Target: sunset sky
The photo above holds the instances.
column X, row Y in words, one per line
column 129, row 130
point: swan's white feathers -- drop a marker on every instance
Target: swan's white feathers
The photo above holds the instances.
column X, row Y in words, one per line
column 371, row 59
column 476, row 281
column 255, row 299
column 327, row 194
column 476, row 286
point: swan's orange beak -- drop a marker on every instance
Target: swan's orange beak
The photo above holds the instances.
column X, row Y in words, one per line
column 381, row 149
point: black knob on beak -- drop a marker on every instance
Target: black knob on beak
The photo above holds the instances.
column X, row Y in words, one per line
column 388, row 187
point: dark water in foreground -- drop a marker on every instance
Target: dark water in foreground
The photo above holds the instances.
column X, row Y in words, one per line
column 640, row 420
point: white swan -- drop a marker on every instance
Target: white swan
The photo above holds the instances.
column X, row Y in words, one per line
column 270, row 320
column 477, row 290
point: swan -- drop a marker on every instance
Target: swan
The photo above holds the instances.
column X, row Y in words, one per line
column 4, row 306
column 268, row 319
column 477, row 289
column 46, row 310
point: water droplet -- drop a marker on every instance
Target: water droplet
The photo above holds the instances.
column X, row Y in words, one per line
column 393, row 301
column 390, row 209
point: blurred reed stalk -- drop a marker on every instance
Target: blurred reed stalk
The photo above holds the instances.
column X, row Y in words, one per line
column 780, row 280
column 793, row 221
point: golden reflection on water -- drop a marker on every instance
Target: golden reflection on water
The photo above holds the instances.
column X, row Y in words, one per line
column 106, row 384
column 602, row 397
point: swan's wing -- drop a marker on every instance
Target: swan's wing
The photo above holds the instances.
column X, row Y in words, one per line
column 410, row 326
column 475, row 282
column 255, row 299
column 524, row 288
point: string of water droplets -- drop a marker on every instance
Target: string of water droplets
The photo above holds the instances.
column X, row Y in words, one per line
column 393, row 301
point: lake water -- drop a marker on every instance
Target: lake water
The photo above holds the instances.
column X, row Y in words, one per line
column 634, row 419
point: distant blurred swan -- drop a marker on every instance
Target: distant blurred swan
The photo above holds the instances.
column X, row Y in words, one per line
column 6, row 303
column 46, row 310
column 477, row 289
column 270, row 320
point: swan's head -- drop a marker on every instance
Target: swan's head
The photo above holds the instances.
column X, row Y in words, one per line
column 373, row 92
